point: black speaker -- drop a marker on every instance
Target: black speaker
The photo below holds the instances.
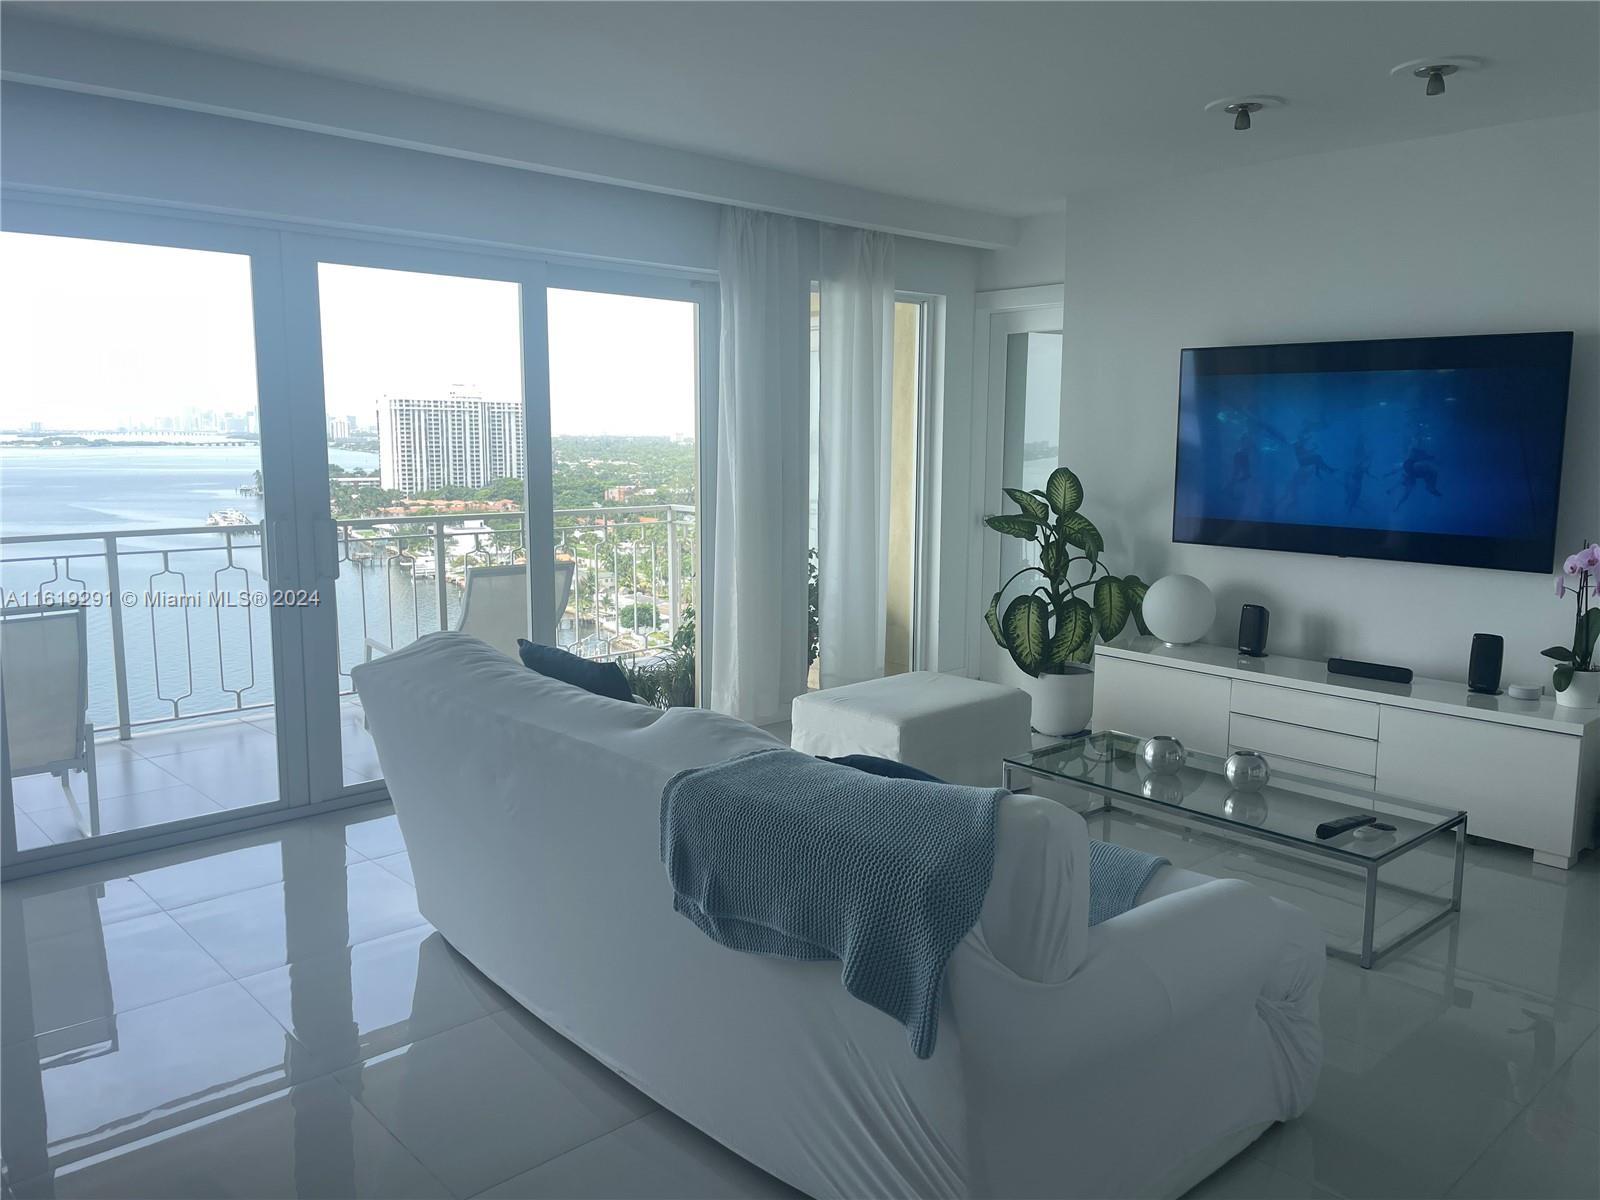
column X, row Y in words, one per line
column 1253, row 630
column 1483, row 668
column 1369, row 670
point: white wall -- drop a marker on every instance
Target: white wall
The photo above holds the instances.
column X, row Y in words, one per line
column 1490, row 231
column 47, row 52
column 92, row 146
column 1037, row 256
column 95, row 146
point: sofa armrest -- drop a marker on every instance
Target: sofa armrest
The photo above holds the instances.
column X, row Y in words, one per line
column 1223, row 937
column 1152, row 973
column 1197, row 1010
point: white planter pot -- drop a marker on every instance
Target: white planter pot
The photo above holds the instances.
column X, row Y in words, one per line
column 1582, row 692
column 1062, row 704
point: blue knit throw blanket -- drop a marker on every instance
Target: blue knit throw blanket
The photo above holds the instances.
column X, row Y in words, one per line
column 776, row 852
column 1117, row 874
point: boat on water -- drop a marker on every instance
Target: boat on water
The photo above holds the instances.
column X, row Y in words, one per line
column 227, row 516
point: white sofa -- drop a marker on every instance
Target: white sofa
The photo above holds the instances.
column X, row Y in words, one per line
column 1127, row 1060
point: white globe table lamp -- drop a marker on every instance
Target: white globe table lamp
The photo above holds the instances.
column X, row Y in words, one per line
column 1179, row 609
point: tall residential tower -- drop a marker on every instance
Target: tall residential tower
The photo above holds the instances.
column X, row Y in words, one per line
column 458, row 440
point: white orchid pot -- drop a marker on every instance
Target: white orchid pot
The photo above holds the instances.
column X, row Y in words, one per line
column 1582, row 692
column 1064, row 702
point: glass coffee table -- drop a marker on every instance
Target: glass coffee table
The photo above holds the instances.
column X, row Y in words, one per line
column 1107, row 771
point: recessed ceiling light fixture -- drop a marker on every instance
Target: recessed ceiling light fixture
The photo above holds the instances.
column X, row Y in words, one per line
column 1241, row 112
column 1435, row 77
column 1434, row 70
column 1241, row 107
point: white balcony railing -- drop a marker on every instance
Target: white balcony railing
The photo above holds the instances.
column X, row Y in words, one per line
column 177, row 630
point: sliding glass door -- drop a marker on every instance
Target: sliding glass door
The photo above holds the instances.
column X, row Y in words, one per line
column 296, row 453
column 413, row 444
column 143, row 466
column 624, row 420
column 503, row 448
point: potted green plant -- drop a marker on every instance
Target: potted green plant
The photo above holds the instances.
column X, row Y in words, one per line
column 1050, row 631
column 1576, row 677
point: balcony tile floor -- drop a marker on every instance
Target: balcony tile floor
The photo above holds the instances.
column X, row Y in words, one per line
column 173, row 772
column 268, row 1014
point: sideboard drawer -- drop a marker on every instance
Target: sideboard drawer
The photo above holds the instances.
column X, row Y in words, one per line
column 1346, row 753
column 1517, row 785
column 1141, row 699
column 1313, row 709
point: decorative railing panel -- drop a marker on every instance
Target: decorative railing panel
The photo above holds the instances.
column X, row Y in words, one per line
column 179, row 619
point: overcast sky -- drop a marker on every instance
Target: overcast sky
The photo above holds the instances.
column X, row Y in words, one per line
column 96, row 334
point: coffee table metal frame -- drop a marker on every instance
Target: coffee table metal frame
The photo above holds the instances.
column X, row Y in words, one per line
column 1369, row 954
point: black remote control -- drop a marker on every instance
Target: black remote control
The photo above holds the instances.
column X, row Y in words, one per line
column 1332, row 829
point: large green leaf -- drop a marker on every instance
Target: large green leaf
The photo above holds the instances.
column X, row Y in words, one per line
column 1559, row 653
column 1017, row 525
column 1079, row 531
column 1026, row 626
column 992, row 616
column 1136, row 589
column 1074, row 629
column 1561, row 677
column 1111, row 605
column 1063, row 491
column 1030, row 504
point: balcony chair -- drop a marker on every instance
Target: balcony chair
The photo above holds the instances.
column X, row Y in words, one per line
column 44, row 686
column 495, row 607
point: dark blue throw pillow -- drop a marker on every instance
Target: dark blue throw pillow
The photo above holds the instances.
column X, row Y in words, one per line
column 601, row 678
column 887, row 767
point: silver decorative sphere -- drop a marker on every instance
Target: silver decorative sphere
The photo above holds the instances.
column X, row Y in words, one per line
column 1246, row 771
column 1162, row 754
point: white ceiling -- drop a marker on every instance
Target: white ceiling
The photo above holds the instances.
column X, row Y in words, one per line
column 998, row 107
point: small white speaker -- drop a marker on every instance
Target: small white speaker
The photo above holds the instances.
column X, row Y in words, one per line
column 1179, row 609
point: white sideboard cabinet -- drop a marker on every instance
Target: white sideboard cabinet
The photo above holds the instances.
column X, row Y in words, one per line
column 1526, row 771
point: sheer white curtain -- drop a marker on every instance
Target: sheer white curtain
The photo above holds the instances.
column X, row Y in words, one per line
column 857, row 361
column 759, row 610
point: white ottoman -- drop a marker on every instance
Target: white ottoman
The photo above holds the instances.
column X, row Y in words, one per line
column 947, row 725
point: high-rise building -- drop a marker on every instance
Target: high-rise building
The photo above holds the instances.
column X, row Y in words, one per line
column 458, row 440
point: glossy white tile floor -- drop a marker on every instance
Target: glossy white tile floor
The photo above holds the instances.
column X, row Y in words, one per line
column 269, row 1015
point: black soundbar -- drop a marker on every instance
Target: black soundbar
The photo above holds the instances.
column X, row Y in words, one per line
column 1366, row 670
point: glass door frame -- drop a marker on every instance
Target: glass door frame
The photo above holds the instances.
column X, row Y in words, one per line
column 998, row 315
column 701, row 290
column 281, row 551
column 296, row 524
column 302, row 254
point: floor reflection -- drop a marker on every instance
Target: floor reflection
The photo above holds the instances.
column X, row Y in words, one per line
column 269, row 1014
column 120, row 1027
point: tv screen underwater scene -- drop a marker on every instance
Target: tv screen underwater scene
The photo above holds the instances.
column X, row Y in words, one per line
column 1444, row 450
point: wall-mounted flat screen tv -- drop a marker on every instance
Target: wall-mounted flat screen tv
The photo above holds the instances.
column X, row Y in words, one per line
column 1436, row 450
